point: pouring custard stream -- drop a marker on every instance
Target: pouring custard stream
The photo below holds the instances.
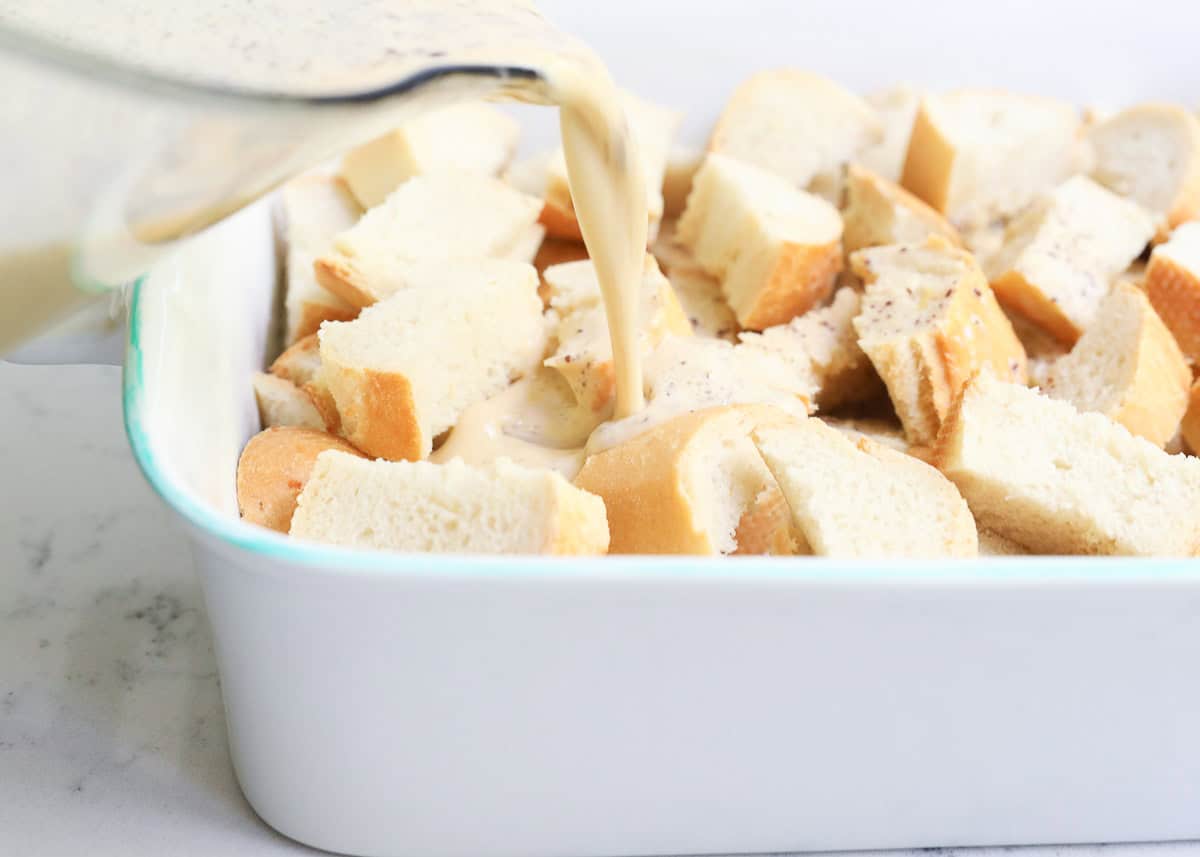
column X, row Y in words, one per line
column 306, row 51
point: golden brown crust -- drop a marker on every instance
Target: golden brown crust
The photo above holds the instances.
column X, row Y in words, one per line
column 1021, row 296
column 1155, row 401
column 378, row 414
column 299, row 362
column 272, row 471
column 323, row 401
column 559, row 222
column 803, row 276
column 1190, row 427
column 643, row 485
column 312, row 315
column 766, row 528
column 555, row 251
column 1175, row 293
column 341, row 277
column 929, row 163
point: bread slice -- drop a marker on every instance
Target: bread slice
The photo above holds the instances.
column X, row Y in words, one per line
column 856, row 498
column 1061, row 255
column 1173, row 284
column 404, row 370
column 470, row 137
column 687, row 374
column 880, row 212
column 300, row 364
column 273, row 469
column 1190, row 427
column 438, row 216
column 682, row 487
column 702, row 302
column 420, row 507
column 798, row 125
column 315, row 209
column 929, row 321
column 1035, row 470
column 1151, row 154
column 776, row 250
column 896, row 109
column 653, row 128
column 555, row 251
column 682, row 164
column 583, row 355
column 282, row 403
column 978, row 155
column 1127, row 367
column 824, row 345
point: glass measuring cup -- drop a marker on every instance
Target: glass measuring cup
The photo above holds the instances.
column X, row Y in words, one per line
column 113, row 149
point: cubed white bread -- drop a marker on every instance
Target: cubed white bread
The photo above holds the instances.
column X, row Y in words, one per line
column 315, row 209
column 979, row 155
column 686, row 374
column 1061, row 255
column 703, row 303
column 653, row 128
column 584, row 355
column 282, row 403
column 444, row 215
column 1151, row 154
column 929, row 321
column 798, row 125
column 1127, row 367
column 300, row 364
column 403, row 371
column 823, row 344
column 682, row 164
column 469, row 136
column 1036, row 471
column 854, row 498
column 1190, row 427
column 1173, row 284
column 421, row 507
column 776, row 250
column 896, row 109
column 273, row 469
column 879, row 212
column 684, row 486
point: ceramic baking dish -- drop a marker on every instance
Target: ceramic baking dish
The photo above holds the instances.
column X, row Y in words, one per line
column 435, row 705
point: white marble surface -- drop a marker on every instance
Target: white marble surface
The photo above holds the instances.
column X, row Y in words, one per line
column 112, row 737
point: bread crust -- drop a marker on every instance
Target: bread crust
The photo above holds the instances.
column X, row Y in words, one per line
column 342, row 277
column 377, row 412
column 929, row 162
column 273, row 469
column 1157, row 398
column 560, row 222
column 313, row 314
column 643, row 484
column 1190, row 426
column 1175, row 293
column 766, row 528
column 802, row 277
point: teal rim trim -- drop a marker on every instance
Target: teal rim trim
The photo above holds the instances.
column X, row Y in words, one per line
column 274, row 546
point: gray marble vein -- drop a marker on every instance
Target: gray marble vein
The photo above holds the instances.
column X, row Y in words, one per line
column 112, row 736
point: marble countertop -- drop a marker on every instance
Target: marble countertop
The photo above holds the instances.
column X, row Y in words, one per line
column 112, row 735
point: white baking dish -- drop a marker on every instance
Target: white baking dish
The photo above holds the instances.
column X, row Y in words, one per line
column 434, row 705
